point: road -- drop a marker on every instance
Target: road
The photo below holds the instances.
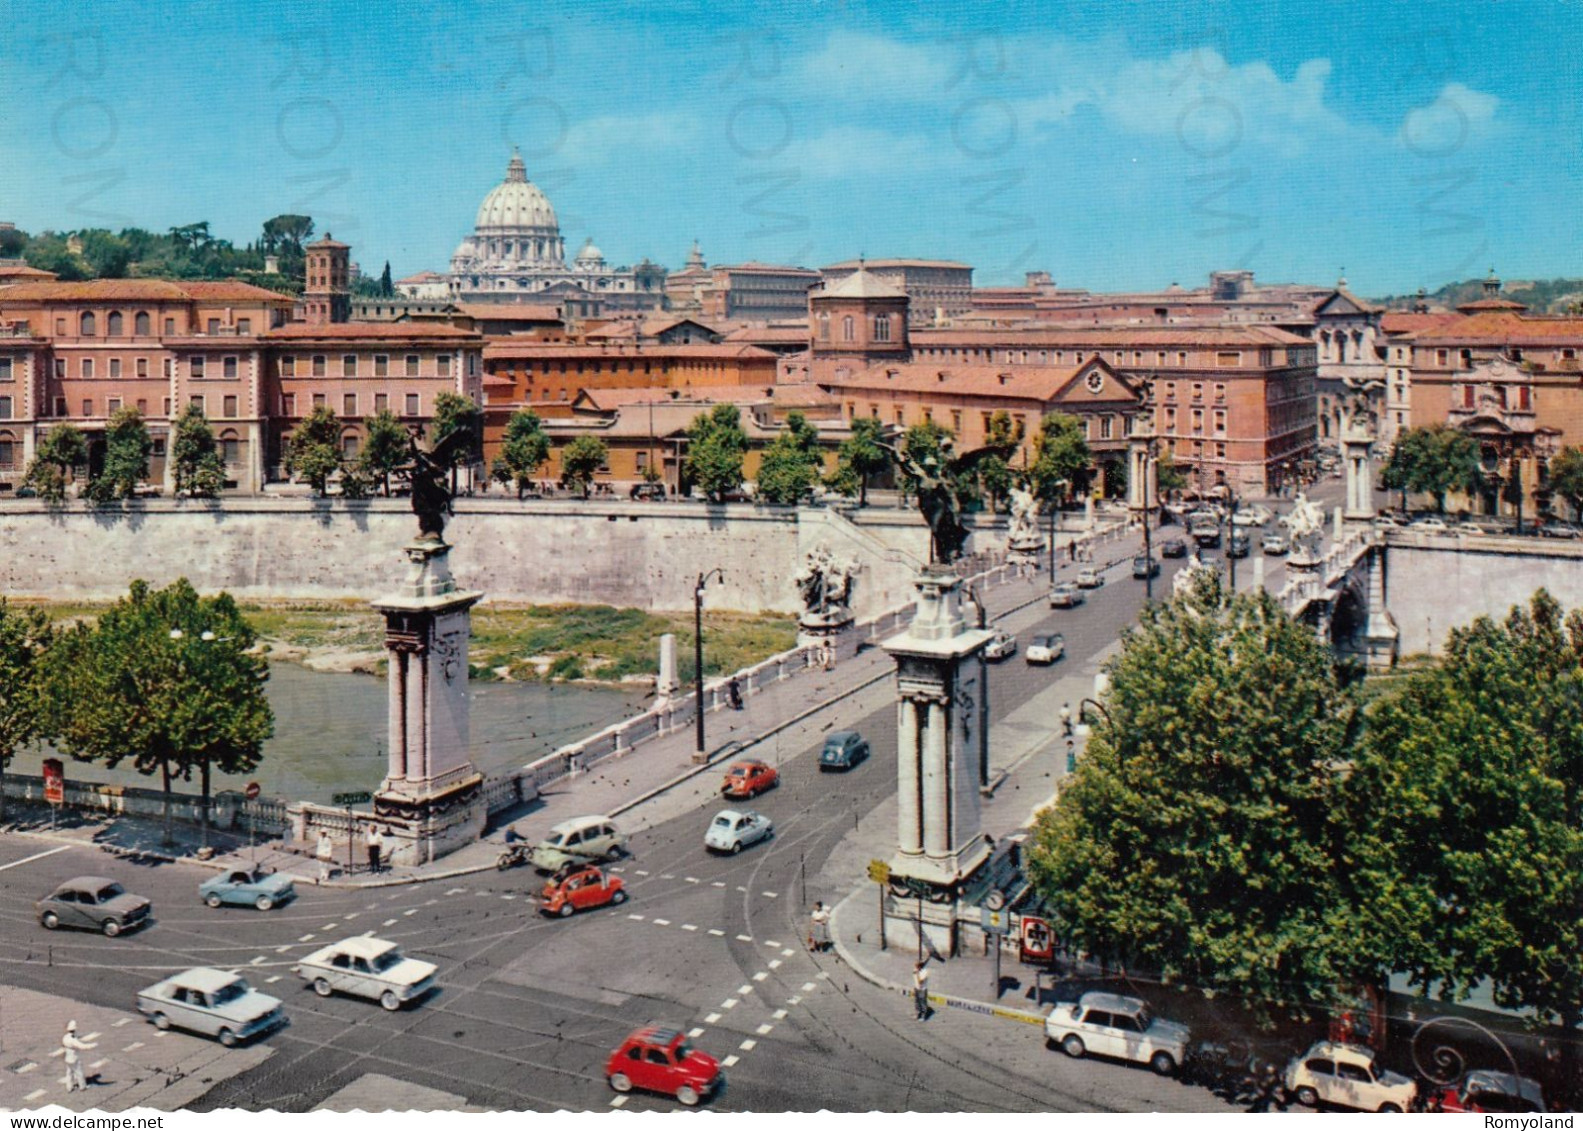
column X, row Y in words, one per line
column 529, row 1008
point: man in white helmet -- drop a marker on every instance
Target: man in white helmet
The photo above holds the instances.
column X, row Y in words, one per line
column 74, row 1048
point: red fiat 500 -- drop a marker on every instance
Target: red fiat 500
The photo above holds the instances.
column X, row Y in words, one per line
column 749, row 779
column 662, row 1060
column 578, row 889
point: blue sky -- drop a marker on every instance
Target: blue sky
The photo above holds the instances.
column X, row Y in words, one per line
column 1125, row 145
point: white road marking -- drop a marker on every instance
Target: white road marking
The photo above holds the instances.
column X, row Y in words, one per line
column 666, row 876
column 259, row 961
column 788, row 952
column 430, row 902
column 718, row 884
column 760, row 976
column 35, row 856
column 388, row 923
column 367, row 934
column 615, row 869
column 775, row 964
column 28, row 1067
column 350, row 915
column 618, row 1101
column 779, row 1015
column 640, row 872
column 58, row 1052
column 748, row 1045
column 824, row 974
column 93, row 1036
column 134, row 1045
column 100, row 1063
column 770, row 894
column 128, row 1020
column 697, row 1032
column 507, row 895
column 742, row 889
column 448, row 891
column 662, row 922
column 689, row 927
column 763, row 1029
column 729, row 1003
column 329, row 927
column 772, row 944
column 310, row 938
column 744, row 938
column 278, row 950
column 692, row 879
column 717, row 934
column 726, row 1063
column 806, row 986
column 639, row 918
column 161, row 1032
column 711, row 1018
column 793, row 1000
column 414, row 910
column 31, row 1096
column 272, row 981
column 744, row 990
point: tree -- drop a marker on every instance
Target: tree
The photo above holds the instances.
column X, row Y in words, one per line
column 58, row 455
column 524, row 450
column 580, row 459
column 386, row 287
column 859, row 457
column 1435, row 460
column 385, row 447
column 455, row 413
column 716, row 445
column 313, row 453
column 25, row 638
column 167, row 679
column 1167, row 476
column 1061, row 458
column 288, row 231
column 48, row 252
column 791, row 462
column 1566, row 478
column 994, row 473
column 198, row 466
column 1196, row 839
column 1468, row 800
column 126, row 451
column 13, row 241
column 106, row 254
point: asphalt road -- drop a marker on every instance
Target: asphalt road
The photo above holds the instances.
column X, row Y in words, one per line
column 528, row 1008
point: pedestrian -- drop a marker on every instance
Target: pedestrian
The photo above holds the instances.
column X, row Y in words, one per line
column 734, row 693
column 819, row 927
column 829, row 656
column 75, row 1078
column 920, row 988
column 376, row 846
column 1071, row 756
column 1066, row 719
column 326, row 854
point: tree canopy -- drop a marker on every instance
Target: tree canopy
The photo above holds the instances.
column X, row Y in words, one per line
column 1061, row 458
column 62, row 450
column 791, row 463
column 859, row 458
column 313, row 452
column 994, row 472
column 715, row 450
column 199, row 469
column 454, row 412
column 525, row 449
column 1566, row 478
column 580, row 460
column 1435, row 461
column 127, row 449
column 25, row 637
column 385, row 447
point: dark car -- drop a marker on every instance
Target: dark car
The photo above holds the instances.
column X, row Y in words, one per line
column 1485, row 1091
column 842, row 750
column 654, row 491
column 1143, row 567
column 1207, row 537
column 1173, row 548
column 94, row 903
column 1239, row 546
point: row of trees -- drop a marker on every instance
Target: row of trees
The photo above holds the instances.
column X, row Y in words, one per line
column 165, row 679
column 1438, row 460
column 198, row 466
column 1245, row 819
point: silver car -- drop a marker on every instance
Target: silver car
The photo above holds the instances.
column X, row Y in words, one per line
column 364, row 967
column 1122, row 1027
column 95, row 903
column 732, row 830
column 211, row 1003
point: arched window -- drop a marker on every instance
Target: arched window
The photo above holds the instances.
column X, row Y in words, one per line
column 824, row 326
column 87, row 324
column 230, row 446
column 882, row 327
column 848, row 329
column 114, row 324
column 140, row 323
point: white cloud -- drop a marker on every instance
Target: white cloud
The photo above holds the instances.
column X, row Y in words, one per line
column 596, row 141
column 844, row 151
column 1457, row 116
column 871, row 67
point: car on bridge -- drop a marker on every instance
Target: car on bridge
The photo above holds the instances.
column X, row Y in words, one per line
column 1558, row 530
column 1066, row 596
column 211, row 1003
column 581, row 888
column 746, row 780
column 1001, row 645
column 1239, row 545
column 1144, row 567
column 662, row 1060
column 248, row 887
column 1275, row 544
column 1331, row 1072
column 1090, row 578
column 1045, row 648
column 367, row 968
column 842, row 750
column 1432, row 524
column 95, row 903
column 1122, row 1027
column 1173, row 548
column 732, row 830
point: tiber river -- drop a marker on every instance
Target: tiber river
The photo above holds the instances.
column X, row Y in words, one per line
column 330, row 732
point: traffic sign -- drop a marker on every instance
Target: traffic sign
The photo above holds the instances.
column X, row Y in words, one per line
column 359, row 798
column 252, row 791
column 879, row 871
column 54, row 781
column 995, row 922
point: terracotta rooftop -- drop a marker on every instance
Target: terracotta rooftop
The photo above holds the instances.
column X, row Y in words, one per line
column 1109, row 337
column 512, row 311
column 506, row 348
column 1412, row 321
column 370, row 331
column 847, row 264
column 1039, row 383
column 98, row 290
column 232, row 290
column 1493, row 328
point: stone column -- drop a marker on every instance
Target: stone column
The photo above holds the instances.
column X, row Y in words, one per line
column 397, row 720
column 936, row 785
column 1360, row 486
column 909, row 814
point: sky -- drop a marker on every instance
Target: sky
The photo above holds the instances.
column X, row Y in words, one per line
column 1117, row 146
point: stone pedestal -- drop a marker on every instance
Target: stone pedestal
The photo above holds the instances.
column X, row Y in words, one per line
column 832, row 626
column 432, row 797
column 1381, row 637
column 942, row 755
column 1355, row 450
column 667, row 685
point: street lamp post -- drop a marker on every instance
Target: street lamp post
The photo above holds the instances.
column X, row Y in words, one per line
column 1051, row 513
column 1232, row 503
column 700, row 754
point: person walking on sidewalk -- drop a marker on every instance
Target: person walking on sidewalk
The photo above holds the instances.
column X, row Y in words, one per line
column 1066, row 720
column 75, row 1078
column 376, row 846
column 819, row 928
column 326, row 854
column 920, row 988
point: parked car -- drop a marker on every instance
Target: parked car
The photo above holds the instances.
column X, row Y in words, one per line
column 1123, row 1027
column 661, row 1060
column 256, row 887
column 732, row 830
column 581, row 888
column 370, row 968
column 1391, row 518
column 211, row 1003
column 1143, row 567
column 654, row 491
column 1345, row 1075
column 1431, row 524
column 1207, row 537
column 1045, row 648
column 747, row 780
column 1249, row 517
column 1558, row 530
column 1066, row 596
column 1001, row 645
column 1469, row 528
column 842, row 750
column 1090, row 578
column 1275, row 544
column 579, row 840
column 1173, row 548
column 1483, row 1090
column 94, row 903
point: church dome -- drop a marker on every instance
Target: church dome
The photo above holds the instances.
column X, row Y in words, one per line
column 516, row 205
column 590, row 255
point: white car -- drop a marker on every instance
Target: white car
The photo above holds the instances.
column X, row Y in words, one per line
column 1002, row 645
column 1045, row 648
column 1066, row 596
column 1434, row 524
column 1470, row 528
column 211, row 1002
column 1275, row 544
column 1248, row 516
column 1346, row 1075
column 1123, row 1027
column 732, row 830
column 365, row 967
column 1090, row 578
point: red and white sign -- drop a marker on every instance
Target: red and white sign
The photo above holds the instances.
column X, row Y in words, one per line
column 252, row 791
column 1038, row 940
column 54, row 781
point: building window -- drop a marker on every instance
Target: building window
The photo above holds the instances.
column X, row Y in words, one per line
column 112, row 405
column 5, row 408
column 60, row 406
column 244, row 326
column 381, row 365
column 882, row 327
column 140, row 324
column 87, row 406
column 412, row 404
column 824, row 326
column 381, row 403
column 848, row 329
column 86, row 324
column 87, row 367
column 229, row 405
column 349, row 445
column 1220, row 390
column 1228, row 357
column 1220, row 422
column 1181, row 359
column 412, row 365
column 214, row 326
column 170, row 327
column 231, row 448
column 956, row 422
column 318, row 365
column 288, row 404
column 229, row 368
column 901, row 417
column 166, row 405
column 142, row 367
column 1442, row 357
column 349, row 365
column 5, row 369
column 442, row 365
column 1466, row 357
column 1198, row 390
column 142, row 407
column 7, row 452
column 1105, row 426
column 170, row 367
column 197, row 368
column 349, row 404
column 1170, row 420
column 115, row 367
column 1220, row 451
column 114, row 324
column 60, row 367
column 288, row 366
column 1198, row 421
column 157, row 446
column 60, row 327
column 196, row 402
column 319, row 400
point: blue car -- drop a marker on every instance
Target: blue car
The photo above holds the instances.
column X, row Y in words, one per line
column 254, row 887
column 843, row 749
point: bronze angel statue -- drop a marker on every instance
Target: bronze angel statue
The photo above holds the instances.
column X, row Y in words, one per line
column 429, row 472
column 940, row 482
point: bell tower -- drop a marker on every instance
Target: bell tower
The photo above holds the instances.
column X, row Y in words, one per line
column 327, row 297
